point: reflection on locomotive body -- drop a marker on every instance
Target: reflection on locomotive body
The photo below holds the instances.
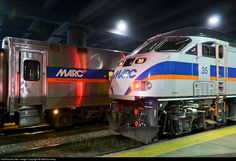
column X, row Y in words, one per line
column 53, row 83
column 174, row 83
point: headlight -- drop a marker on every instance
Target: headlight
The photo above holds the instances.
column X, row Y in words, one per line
column 140, row 86
column 121, row 63
column 55, row 112
column 140, row 61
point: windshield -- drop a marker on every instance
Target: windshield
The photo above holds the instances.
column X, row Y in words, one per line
column 173, row 44
column 147, row 46
column 162, row 44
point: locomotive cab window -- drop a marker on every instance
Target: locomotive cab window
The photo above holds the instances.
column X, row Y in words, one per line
column 173, row 44
column 147, row 46
column 209, row 50
column 192, row 51
column 221, row 51
column 31, row 70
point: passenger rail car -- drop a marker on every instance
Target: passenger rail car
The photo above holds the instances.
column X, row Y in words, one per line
column 173, row 83
column 55, row 83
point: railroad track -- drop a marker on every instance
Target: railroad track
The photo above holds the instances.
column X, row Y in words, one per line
column 79, row 138
column 27, row 139
column 30, row 146
column 86, row 144
column 14, row 130
column 91, row 146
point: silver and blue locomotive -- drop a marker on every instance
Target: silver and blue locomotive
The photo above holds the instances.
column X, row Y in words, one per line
column 53, row 83
column 174, row 83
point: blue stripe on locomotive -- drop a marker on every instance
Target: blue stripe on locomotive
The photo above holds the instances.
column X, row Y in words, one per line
column 231, row 72
column 213, row 71
column 170, row 67
column 180, row 68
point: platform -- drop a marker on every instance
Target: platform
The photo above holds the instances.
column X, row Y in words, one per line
column 215, row 143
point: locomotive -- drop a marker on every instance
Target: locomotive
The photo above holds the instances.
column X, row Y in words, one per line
column 174, row 83
column 54, row 84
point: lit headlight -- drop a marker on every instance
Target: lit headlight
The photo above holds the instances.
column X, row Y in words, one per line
column 121, row 63
column 140, row 86
column 140, row 61
column 55, row 112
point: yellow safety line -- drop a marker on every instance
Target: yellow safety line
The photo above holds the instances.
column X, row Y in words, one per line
column 172, row 145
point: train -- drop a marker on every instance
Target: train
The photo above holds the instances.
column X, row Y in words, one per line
column 54, row 84
column 174, row 83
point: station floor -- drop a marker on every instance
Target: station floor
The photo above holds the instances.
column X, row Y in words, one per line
column 215, row 143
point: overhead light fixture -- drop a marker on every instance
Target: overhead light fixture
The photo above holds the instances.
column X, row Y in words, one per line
column 121, row 28
column 214, row 21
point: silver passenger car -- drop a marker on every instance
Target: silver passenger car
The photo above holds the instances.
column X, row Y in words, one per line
column 55, row 83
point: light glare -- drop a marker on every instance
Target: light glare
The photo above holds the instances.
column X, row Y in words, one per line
column 55, row 112
column 214, row 20
column 121, row 28
column 121, row 25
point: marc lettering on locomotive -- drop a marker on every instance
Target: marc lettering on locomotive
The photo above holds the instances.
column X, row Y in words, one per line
column 122, row 74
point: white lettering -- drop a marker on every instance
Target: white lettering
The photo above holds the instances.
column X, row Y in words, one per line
column 71, row 73
column 61, row 72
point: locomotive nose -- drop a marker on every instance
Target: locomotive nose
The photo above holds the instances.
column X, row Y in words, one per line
column 127, row 69
column 134, row 75
column 132, row 61
column 124, row 78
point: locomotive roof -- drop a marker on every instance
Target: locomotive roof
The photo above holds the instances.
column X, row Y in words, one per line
column 198, row 31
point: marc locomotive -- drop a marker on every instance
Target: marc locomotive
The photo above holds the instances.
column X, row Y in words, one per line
column 174, row 83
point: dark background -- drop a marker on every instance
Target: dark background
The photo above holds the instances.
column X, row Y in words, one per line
column 49, row 20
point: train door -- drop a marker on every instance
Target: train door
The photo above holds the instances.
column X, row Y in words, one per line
column 220, row 69
column 31, row 78
column 204, row 86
